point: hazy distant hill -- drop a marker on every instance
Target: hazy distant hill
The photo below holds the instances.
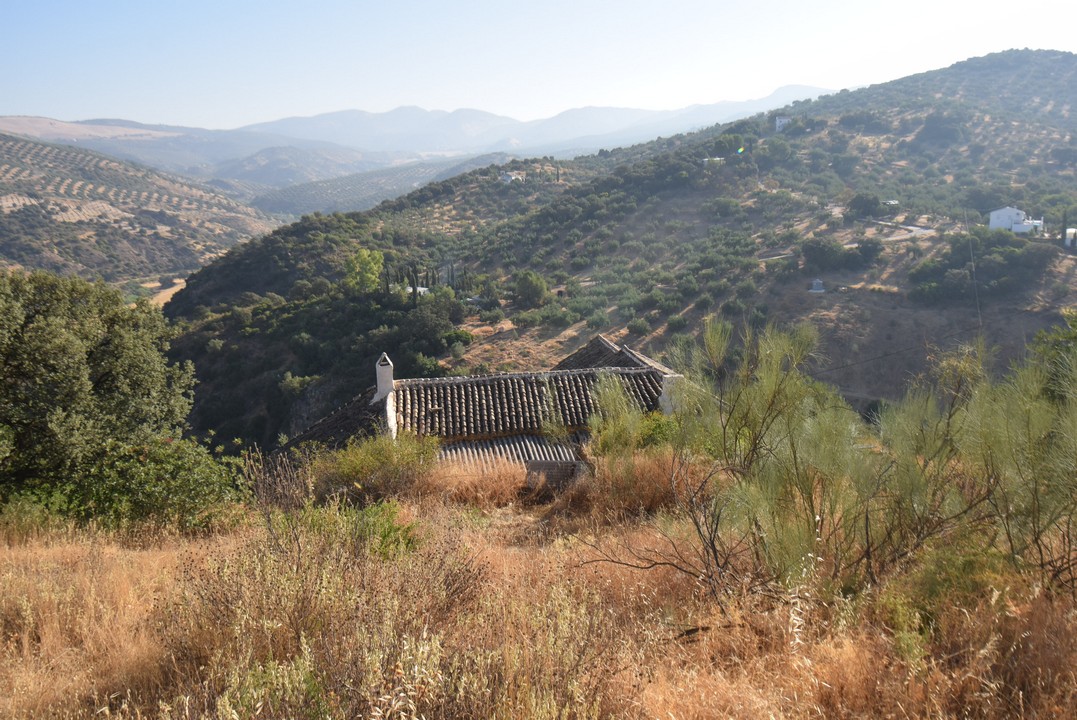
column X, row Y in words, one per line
column 643, row 242
column 583, row 129
column 258, row 159
column 285, row 166
column 598, row 128
column 241, row 162
column 363, row 191
column 75, row 211
column 409, row 129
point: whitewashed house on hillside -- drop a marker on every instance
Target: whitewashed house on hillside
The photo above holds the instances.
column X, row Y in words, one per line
column 1014, row 220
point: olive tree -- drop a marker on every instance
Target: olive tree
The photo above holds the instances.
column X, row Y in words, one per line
column 84, row 381
column 530, row 289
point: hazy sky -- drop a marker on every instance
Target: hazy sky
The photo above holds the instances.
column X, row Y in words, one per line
column 227, row 63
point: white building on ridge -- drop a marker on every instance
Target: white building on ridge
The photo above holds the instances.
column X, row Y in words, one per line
column 1014, row 220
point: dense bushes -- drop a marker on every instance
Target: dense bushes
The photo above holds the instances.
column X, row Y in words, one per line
column 175, row 482
column 336, row 337
column 781, row 480
column 821, row 254
column 984, row 263
column 91, row 411
column 375, row 468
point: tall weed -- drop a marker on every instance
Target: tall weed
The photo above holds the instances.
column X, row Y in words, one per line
column 374, row 468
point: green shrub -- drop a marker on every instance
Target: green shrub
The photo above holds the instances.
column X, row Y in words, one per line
column 292, row 386
column 558, row 316
column 677, row 323
column 375, row 529
column 491, row 316
column 526, row 319
column 598, row 319
column 163, row 481
column 86, row 380
column 375, row 467
column 733, row 308
column 458, row 336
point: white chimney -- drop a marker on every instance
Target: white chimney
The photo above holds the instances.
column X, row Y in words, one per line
column 385, row 377
column 665, row 400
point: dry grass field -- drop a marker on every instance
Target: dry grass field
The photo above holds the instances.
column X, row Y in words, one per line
column 471, row 596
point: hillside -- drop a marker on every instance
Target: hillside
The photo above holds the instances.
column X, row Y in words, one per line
column 429, row 228
column 240, row 162
column 74, row 211
column 362, row 191
column 1022, row 86
column 277, row 167
column 644, row 242
column 258, row 159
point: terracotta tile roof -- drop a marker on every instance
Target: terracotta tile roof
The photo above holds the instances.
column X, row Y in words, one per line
column 358, row 417
column 502, row 416
column 601, row 352
column 492, row 406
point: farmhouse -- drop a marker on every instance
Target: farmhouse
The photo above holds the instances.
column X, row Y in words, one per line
column 485, row 419
column 1014, row 220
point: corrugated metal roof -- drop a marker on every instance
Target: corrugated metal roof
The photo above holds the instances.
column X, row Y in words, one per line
column 521, row 449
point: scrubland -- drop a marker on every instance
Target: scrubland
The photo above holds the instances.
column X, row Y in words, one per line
column 457, row 601
column 761, row 552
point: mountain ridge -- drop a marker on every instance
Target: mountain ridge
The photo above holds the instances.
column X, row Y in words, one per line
column 598, row 124
column 346, row 142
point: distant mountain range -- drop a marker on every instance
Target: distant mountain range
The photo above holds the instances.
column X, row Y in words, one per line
column 412, row 129
column 67, row 208
column 257, row 159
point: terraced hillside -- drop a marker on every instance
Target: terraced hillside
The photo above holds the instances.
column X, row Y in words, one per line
column 74, row 211
column 428, row 228
column 885, row 204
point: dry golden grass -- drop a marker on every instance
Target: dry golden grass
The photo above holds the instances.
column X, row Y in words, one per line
column 621, row 488
column 304, row 619
column 485, row 486
column 77, row 623
column 164, row 295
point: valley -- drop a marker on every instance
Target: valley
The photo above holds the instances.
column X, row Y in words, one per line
column 643, row 243
column 774, row 417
